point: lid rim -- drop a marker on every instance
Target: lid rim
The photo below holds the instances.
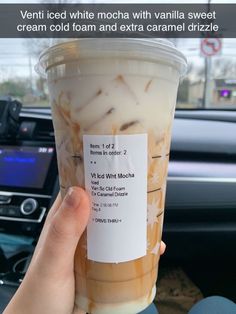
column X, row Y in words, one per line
column 148, row 49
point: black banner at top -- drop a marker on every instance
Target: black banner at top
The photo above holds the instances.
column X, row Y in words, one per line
column 117, row 20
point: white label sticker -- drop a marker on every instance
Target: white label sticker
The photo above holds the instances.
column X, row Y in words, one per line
column 116, row 178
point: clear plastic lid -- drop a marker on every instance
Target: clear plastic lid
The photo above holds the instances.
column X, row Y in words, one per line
column 155, row 50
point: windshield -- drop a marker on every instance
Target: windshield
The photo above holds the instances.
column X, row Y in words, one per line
column 210, row 81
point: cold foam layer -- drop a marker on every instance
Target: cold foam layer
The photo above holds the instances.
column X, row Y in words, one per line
column 131, row 307
column 144, row 98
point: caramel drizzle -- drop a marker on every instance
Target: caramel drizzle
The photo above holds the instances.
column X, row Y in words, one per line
column 154, row 190
column 65, row 114
column 159, row 156
column 78, row 157
column 127, row 125
column 162, row 212
column 148, row 85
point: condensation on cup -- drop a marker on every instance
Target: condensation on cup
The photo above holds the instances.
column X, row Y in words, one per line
column 113, row 103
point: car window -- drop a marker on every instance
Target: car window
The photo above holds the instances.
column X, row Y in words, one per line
column 210, row 82
column 211, row 78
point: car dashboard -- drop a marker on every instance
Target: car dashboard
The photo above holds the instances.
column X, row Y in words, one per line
column 28, row 175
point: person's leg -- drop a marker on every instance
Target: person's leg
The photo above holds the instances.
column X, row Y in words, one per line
column 150, row 310
column 214, row 305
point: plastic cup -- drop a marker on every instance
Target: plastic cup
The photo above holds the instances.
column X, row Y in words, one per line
column 113, row 103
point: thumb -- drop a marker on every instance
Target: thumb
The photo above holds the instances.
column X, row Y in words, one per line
column 66, row 227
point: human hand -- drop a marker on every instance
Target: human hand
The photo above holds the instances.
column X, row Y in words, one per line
column 49, row 284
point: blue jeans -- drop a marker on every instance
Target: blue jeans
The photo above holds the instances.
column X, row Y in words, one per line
column 150, row 310
column 214, row 305
column 210, row 305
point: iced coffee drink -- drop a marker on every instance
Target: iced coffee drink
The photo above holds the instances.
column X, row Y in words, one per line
column 113, row 103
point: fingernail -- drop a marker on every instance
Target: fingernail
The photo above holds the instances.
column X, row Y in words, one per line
column 72, row 198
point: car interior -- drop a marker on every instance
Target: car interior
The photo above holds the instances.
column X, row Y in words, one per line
column 200, row 212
